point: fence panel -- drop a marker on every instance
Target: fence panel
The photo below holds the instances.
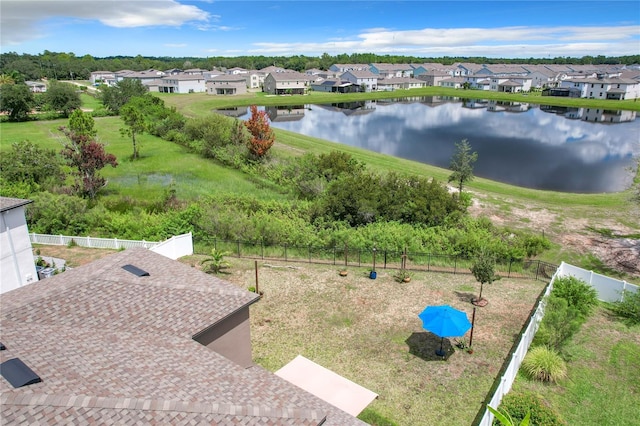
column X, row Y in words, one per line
column 104, row 243
column 378, row 258
column 609, row 289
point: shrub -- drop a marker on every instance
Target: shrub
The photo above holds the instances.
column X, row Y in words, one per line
column 577, row 293
column 560, row 322
column 629, row 308
column 518, row 404
column 544, row 364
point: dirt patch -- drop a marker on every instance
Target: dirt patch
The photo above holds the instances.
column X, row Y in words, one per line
column 74, row 256
column 577, row 235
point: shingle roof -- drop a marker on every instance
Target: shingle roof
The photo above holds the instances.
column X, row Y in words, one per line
column 115, row 348
column 7, row 203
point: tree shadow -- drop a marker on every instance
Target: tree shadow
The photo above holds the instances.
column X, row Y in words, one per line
column 425, row 345
column 465, row 297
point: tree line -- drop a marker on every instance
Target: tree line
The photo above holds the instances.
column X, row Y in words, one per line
column 68, row 66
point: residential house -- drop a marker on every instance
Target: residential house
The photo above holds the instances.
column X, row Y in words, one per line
column 183, row 83
column 173, row 71
column 36, row 86
column 17, row 266
column 102, row 77
column 454, row 82
column 144, row 76
column 419, row 69
column 479, row 82
column 391, row 70
column 339, row 69
column 466, row 68
column 364, row 79
column 433, row 77
column 227, row 84
column 273, row 68
column 138, row 338
column 195, row 71
column 236, row 71
column 286, row 83
column 400, row 83
column 334, row 85
column 255, row 79
column 510, row 84
column 605, row 88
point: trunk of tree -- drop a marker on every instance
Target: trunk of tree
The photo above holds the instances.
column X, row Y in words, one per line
column 135, row 148
column 480, row 296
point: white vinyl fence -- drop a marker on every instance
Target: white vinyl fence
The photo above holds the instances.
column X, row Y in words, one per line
column 103, row 243
column 609, row 290
column 509, row 375
column 173, row 248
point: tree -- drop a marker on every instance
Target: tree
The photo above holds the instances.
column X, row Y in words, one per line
column 62, row 97
column 16, row 100
column 215, row 262
column 462, row 164
column 115, row 97
column 262, row 136
column 483, row 269
column 135, row 123
column 82, row 124
column 87, row 156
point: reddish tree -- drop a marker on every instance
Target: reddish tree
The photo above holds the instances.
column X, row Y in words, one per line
column 262, row 137
column 87, row 157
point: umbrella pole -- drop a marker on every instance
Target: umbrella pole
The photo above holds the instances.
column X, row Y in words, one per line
column 440, row 352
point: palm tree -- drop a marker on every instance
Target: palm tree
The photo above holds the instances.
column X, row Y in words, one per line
column 506, row 420
column 215, row 263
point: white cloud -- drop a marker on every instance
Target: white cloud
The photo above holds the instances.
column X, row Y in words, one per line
column 21, row 20
column 502, row 42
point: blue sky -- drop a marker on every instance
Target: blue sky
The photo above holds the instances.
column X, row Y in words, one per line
column 204, row 28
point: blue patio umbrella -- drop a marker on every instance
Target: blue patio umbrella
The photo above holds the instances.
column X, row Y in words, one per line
column 444, row 321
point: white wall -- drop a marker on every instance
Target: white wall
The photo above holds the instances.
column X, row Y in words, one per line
column 17, row 267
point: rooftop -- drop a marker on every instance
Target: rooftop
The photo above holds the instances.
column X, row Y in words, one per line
column 109, row 344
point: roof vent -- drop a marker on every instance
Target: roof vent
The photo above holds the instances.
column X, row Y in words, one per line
column 2, row 347
column 18, row 373
column 135, row 270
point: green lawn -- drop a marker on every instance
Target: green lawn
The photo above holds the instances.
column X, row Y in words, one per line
column 161, row 163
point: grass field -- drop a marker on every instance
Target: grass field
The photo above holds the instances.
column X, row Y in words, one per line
column 369, row 332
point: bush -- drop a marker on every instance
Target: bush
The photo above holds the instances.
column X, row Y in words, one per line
column 544, row 364
column 559, row 323
column 577, row 293
column 518, row 404
column 629, row 308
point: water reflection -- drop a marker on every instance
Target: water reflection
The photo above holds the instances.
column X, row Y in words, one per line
column 569, row 150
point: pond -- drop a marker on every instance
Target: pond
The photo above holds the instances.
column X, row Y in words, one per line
column 578, row 150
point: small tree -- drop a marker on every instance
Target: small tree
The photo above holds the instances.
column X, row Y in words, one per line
column 483, row 269
column 135, row 123
column 262, row 136
column 16, row 100
column 115, row 97
column 462, row 164
column 215, row 263
column 82, row 124
column 87, row 157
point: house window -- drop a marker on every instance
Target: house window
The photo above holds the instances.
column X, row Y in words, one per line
column 602, row 86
